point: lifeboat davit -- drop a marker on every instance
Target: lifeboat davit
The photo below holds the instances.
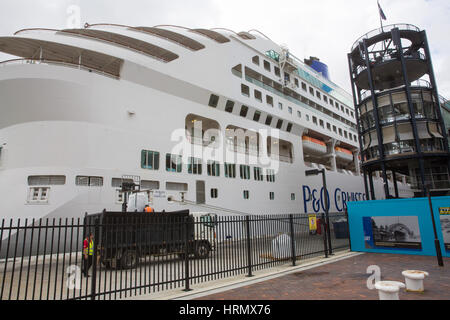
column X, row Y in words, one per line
column 344, row 155
column 314, row 146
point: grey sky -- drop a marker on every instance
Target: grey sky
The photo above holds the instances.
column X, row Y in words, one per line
column 321, row 28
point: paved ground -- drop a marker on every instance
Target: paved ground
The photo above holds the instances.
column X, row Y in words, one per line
column 346, row 280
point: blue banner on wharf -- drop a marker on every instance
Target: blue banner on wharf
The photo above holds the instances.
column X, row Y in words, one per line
column 402, row 226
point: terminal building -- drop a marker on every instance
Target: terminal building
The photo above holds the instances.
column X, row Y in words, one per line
column 401, row 116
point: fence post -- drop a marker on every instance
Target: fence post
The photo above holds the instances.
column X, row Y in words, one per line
column 324, row 230
column 249, row 247
column 94, row 259
column 291, row 225
column 186, row 254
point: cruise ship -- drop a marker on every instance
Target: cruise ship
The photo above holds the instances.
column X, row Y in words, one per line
column 209, row 120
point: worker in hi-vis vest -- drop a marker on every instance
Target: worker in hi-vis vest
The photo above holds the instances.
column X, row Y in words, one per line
column 148, row 209
column 88, row 253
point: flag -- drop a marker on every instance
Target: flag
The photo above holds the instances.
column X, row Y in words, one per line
column 383, row 16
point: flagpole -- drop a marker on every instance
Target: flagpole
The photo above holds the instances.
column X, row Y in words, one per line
column 381, row 19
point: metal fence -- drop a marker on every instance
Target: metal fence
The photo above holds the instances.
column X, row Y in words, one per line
column 44, row 259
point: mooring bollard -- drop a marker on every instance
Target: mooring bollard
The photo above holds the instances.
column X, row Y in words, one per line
column 414, row 280
column 388, row 290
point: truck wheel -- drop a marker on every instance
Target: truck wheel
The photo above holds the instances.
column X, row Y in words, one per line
column 129, row 259
column 202, row 250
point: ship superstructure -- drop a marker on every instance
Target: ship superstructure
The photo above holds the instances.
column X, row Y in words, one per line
column 208, row 119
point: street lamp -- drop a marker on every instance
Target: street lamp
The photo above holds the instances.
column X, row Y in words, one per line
column 315, row 172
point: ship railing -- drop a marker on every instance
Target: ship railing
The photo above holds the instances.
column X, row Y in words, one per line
column 56, row 62
column 388, row 28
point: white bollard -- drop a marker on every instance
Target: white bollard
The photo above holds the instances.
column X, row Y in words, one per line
column 414, row 280
column 388, row 290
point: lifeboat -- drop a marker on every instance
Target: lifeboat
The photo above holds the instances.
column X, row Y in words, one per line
column 343, row 154
column 314, row 146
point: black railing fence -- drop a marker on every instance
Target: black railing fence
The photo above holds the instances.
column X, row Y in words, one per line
column 143, row 254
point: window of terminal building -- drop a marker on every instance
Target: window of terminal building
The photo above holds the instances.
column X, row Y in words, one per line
column 213, row 101
column 258, row 95
column 245, row 90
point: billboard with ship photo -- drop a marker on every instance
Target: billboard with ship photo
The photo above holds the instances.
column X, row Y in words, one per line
column 392, row 232
column 444, row 214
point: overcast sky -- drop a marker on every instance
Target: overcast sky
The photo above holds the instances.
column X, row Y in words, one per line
column 322, row 28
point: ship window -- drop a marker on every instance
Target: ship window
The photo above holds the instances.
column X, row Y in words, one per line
column 272, row 195
column 258, row 174
column 245, row 90
column 307, row 117
column 331, row 102
column 270, row 175
column 268, row 120
column 213, row 101
column 237, row 71
column 255, row 60
column 149, row 160
column 280, row 149
column 340, row 131
column 299, row 114
column 334, row 129
column 230, row 170
column 173, row 163
column 318, row 94
column 345, row 134
column 325, row 99
column 296, row 82
column 289, row 127
column 117, row 182
column 176, row 186
column 258, row 95
column 194, row 165
column 328, row 126
column 293, row 196
column 229, row 106
column 269, row 100
column 149, row 185
column 214, row 193
column 290, row 110
column 314, row 119
column 246, row 194
column 280, row 106
column 213, row 168
column 89, row 181
column 277, row 71
column 46, row 180
column 311, row 91
column 244, row 110
column 321, row 123
column 38, row 194
column 304, row 86
column 267, row 65
column 244, row 172
column 279, row 124
column 257, row 116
